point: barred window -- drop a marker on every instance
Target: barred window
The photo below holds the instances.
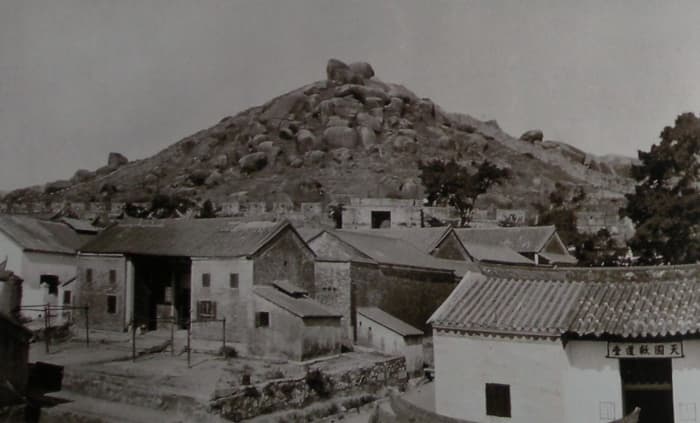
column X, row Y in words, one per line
column 206, row 310
column 88, row 275
column 112, row 276
column 111, row 304
column 206, row 280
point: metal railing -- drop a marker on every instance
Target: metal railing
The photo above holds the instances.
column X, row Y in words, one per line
column 173, row 323
column 49, row 309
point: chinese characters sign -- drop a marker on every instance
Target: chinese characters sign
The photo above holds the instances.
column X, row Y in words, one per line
column 645, row 349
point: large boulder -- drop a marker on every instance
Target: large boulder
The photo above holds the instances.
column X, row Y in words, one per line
column 344, row 107
column 337, row 121
column 361, row 93
column 116, row 160
column 341, row 155
column 81, row 175
column 314, row 157
column 368, row 138
column 214, row 178
column 362, row 69
column 339, row 72
column 372, row 122
column 253, row 162
column 56, row 186
column 306, row 141
column 338, row 136
column 533, row 135
column 403, row 143
column 395, row 107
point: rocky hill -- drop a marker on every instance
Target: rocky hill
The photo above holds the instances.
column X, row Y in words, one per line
column 349, row 135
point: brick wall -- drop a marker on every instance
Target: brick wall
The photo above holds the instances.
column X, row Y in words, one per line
column 410, row 295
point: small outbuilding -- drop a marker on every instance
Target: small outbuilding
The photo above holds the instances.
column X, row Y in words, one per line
column 290, row 324
column 384, row 332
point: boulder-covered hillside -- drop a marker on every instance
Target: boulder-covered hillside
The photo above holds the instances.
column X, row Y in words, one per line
column 350, row 134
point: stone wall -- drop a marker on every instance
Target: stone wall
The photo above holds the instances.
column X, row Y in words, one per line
column 332, row 280
column 286, row 258
column 245, row 402
column 411, row 295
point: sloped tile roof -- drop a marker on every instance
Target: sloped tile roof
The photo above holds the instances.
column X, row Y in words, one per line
column 299, row 306
column 425, row 239
column 523, row 239
column 186, row 237
column 289, row 288
column 80, row 225
column 388, row 321
column 390, row 251
column 495, row 254
column 554, row 258
column 41, row 235
column 488, row 304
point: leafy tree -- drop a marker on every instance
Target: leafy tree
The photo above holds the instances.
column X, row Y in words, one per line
column 453, row 184
column 598, row 249
column 665, row 206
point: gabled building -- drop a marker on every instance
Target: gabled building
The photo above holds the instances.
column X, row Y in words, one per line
column 288, row 323
column 359, row 269
column 384, row 332
column 43, row 254
column 571, row 345
column 147, row 272
column 540, row 244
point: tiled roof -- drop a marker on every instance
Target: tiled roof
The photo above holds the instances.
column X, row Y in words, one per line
column 289, row 288
column 390, row 251
column 495, row 254
column 554, row 258
column 80, row 225
column 523, row 239
column 425, row 239
column 488, row 304
column 299, row 306
column 186, row 237
column 388, row 321
column 41, row 235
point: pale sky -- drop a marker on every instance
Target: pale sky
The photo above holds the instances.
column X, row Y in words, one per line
column 81, row 78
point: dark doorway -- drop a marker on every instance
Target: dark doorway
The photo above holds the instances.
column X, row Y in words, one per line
column 381, row 219
column 647, row 384
column 162, row 286
column 51, row 282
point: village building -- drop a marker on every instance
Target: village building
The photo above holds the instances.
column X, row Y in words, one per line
column 288, row 323
column 384, row 332
column 541, row 244
column 147, row 273
column 375, row 213
column 43, row 254
column 358, row 269
column 570, row 345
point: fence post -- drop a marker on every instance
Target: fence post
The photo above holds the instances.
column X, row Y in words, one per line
column 173, row 321
column 223, row 337
column 87, row 326
column 133, row 341
column 189, row 335
column 46, row 326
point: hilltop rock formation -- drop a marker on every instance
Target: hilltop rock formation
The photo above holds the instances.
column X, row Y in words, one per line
column 353, row 133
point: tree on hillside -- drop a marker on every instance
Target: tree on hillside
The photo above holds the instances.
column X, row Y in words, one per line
column 665, row 206
column 453, row 184
column 598, row 249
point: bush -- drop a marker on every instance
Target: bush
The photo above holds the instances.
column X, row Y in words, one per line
column 318, row 383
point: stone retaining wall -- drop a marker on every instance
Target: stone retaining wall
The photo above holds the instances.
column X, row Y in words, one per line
column 249, row 401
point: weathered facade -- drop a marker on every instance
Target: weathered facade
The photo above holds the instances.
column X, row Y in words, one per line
column 361, row 270
column 577, row 345
column 203, row 271
column 382, row 331
column 14, row 342
column 374, row 213
column 295, row 326
column 43, row 254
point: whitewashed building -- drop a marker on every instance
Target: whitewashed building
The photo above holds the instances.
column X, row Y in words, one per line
column 43, row 254
column 577, row 346
column 382, row 331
